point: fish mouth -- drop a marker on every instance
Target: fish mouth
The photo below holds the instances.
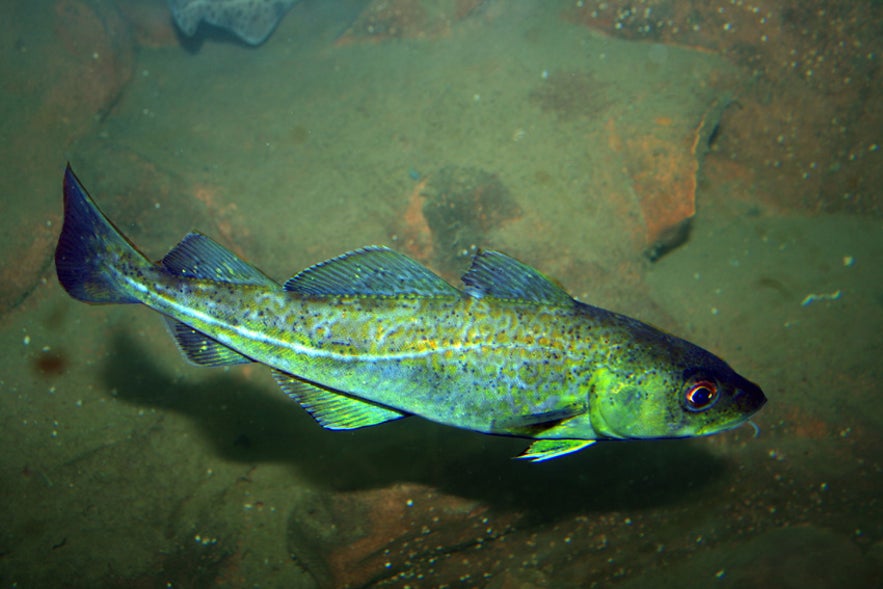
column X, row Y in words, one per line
column 748, row 398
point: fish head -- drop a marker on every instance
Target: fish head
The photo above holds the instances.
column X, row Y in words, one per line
column 682, row 392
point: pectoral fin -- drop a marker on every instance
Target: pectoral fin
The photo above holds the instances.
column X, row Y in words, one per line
column 543, row 450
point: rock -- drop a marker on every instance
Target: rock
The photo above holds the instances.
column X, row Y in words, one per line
column 83, row 52
column 462, row 205
column 801, row 557
column 383, row 20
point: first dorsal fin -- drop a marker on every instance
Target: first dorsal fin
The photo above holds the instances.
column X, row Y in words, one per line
column 198, row 256
column 371, row 271
column 497, row 275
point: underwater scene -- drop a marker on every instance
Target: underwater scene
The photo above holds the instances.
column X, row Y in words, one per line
column 441, row 294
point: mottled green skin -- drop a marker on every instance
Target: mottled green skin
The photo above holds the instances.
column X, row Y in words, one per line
column 484, row 364
column 542, row 366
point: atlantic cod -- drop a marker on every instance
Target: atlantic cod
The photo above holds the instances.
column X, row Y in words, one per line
column 372, row 336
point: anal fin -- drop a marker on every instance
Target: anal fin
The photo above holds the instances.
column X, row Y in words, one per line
column 201, row 349
column 334, row 410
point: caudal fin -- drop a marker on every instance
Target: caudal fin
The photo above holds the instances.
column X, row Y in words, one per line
column 92, row 255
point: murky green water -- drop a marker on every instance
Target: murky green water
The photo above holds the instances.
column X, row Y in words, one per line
column 437, row 128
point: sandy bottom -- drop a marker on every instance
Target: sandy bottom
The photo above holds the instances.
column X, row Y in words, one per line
column 121, row 465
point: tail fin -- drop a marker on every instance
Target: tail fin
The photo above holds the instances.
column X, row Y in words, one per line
column 92, row 254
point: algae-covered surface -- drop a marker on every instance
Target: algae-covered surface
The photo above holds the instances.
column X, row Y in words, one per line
column 540, row 129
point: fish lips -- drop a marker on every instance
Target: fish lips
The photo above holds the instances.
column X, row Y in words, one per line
column 743, row 400
column 747, row 398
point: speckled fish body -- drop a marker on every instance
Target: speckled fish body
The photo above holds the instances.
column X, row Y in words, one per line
column 373, row 336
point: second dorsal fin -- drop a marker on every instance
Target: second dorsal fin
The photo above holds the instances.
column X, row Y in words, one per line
column 370, row 271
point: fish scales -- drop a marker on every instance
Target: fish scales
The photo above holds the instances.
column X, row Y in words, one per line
column 373, row 336
column 454, row 360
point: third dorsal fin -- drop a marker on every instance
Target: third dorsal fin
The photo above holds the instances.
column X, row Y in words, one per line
column 198, row 256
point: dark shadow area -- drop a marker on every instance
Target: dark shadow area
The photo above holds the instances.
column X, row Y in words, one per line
column 249, row 423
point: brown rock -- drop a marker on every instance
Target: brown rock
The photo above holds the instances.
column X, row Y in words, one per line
column 84, row 60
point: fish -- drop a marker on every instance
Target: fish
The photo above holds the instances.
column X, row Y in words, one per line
column 253, row 21
column 373, row 336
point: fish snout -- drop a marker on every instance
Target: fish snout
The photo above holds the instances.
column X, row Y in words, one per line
column 748, row 397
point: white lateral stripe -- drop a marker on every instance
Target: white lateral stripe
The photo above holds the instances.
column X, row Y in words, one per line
column 170, row 306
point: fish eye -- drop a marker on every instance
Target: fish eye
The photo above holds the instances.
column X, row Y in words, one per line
column 701, row 395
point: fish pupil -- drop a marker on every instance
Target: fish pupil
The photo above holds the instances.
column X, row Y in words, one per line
column 701, row 395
